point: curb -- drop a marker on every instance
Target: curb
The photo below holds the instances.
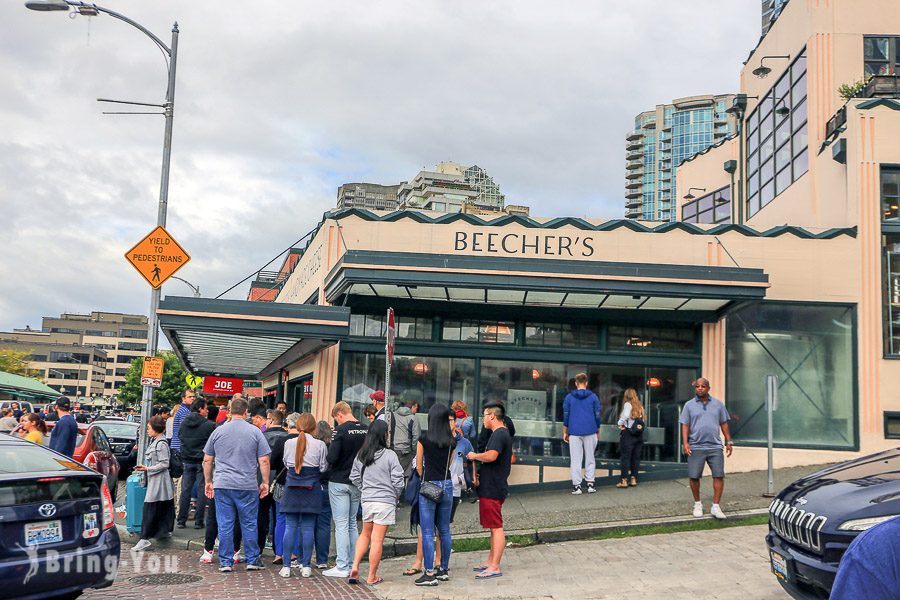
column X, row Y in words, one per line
column 405, row 546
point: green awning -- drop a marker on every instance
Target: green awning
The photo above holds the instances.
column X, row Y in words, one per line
column 25, row 387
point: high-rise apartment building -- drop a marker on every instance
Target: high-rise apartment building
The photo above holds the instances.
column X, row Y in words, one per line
column 450, row 187
column 489, row 195
column 83, row 354
column 661, row 140
column 371, row 196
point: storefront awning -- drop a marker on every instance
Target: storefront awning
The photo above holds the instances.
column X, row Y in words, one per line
column 238, row 338
column 26, row 388
column 542, row 282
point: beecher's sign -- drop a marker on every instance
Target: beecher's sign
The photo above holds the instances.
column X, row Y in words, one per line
column 222, row 385
column 152, row 372
column 157, row 257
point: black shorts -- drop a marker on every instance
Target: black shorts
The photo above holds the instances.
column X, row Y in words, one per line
column 456, row 502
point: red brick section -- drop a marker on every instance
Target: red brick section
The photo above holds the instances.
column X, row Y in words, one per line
column 238, row 585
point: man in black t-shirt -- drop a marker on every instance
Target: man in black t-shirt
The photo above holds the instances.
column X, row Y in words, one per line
column 493, row 486
column 343, row 496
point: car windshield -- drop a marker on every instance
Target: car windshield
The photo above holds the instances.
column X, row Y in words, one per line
column 118, row 429
column 27, row 458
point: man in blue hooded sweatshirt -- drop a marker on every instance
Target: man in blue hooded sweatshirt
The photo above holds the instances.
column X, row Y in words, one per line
column 581, row 423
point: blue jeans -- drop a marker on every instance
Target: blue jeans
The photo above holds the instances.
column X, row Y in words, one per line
column 294, row 539
column 437, row 516
column 278, row 536
column 323, row 528
column 237, row 507
column 344, row 500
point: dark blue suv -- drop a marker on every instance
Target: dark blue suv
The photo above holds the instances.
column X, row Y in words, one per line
column 813, row 520
column 57, row 534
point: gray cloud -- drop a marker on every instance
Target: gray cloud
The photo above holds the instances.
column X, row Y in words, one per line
column 277, row 104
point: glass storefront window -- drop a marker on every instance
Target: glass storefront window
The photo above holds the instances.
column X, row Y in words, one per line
column 413, row 328
column 810, row 348
column 650, row 339
column 891, row 295
column 425, row 379
column 534, row 392
column 486, row 332
column 561, row 334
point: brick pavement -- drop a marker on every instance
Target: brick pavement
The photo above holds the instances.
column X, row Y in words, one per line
column 724, row 563
column 212, row 585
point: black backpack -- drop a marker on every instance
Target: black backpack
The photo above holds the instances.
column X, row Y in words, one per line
column 176, row 465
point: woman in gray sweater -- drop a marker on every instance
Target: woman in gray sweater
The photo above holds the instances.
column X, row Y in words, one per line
column 159, row 505
column 378, row 475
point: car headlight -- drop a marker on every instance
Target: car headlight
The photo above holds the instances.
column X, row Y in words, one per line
column 863, row 524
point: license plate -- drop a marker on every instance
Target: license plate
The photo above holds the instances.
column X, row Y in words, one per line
column 779, row 566
column 43, row 533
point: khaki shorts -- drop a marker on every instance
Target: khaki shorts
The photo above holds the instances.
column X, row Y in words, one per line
column 380, row 513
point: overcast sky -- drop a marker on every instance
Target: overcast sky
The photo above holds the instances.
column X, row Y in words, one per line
column 278, row 103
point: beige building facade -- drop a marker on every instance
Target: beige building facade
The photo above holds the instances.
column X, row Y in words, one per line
column 797, row 282
column 83, row 354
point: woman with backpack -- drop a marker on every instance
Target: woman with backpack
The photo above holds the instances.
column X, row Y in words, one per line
column 631, row 438
column 159, row 502
column 305, row 460
column 377, row 473
column 434, row 455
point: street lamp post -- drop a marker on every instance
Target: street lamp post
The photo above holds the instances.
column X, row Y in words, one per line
column 168, row 107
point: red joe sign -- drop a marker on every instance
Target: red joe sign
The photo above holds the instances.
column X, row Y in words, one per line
column 222, row 385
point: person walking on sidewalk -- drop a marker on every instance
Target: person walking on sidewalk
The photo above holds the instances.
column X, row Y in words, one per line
column 305, row 461
column 159, row 506
column 493, row 487
column 702, row 419
column 193, row 433
column 434, row 455
column 631, row 438
column 343, row 496
column 581, row 424
column 377, row 473
column 234, row 450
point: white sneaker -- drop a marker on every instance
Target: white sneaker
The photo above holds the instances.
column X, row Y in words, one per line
column 206, row 558
column 295, row 564
column 285, row 572
column 306, row 571
column 238, row 558
column 576, row 490
column 141, row 545
column 698, row 509
column 335, row 572
column 591, row 489
column 716, row 511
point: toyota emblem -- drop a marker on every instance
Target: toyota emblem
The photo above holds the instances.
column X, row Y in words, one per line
column 47, row 510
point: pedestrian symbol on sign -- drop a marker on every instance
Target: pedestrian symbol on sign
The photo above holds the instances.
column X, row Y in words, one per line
column 155, row 272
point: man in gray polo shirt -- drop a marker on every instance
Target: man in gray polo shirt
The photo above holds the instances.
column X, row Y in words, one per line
column 702, row 419
column 234, row 450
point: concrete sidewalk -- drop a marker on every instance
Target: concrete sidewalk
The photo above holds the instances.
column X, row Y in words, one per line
column 559, row 516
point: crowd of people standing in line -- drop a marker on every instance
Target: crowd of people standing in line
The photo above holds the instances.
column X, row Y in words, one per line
column 261, row 472
column 251, row 472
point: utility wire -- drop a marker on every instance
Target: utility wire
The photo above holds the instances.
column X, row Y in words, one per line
column 274, row 258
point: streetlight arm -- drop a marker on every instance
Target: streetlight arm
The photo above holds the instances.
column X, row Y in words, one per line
column 194, row 288
column 125, row 19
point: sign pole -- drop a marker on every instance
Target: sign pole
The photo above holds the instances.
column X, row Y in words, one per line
column 771, row 407
column 390, row 334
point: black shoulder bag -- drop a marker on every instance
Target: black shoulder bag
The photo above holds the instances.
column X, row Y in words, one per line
column 433, row 491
